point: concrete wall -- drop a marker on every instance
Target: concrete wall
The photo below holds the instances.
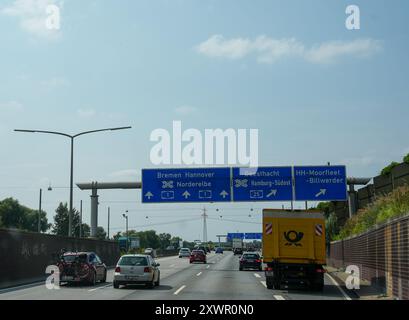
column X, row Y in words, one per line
column 24, row 256
column 382, row 254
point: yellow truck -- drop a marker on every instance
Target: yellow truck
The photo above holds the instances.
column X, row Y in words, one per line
column 294, row 248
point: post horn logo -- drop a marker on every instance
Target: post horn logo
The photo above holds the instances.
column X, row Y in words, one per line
column 293, row 238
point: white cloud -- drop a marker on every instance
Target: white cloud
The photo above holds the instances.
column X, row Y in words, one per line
column 328, row 52
column 185, row 110
column 32, row 16
column 86, row 113
column 11, row 106
column 268, row 50
column 55, row 82
column 217, row 46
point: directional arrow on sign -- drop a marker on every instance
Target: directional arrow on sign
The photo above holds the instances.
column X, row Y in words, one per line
column 224, row 194
column 272, row 193
column 321, row 193
column 186, row 194
column 149, row 195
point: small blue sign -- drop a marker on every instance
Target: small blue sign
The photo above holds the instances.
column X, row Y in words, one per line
column 186, row 185
column 253, row 236
column 320, row 183
column 231, row 236
column 262, row 184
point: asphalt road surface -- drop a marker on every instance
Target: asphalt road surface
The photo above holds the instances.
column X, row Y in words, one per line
column 219, row 279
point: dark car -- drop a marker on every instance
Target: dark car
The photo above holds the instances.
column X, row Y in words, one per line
column 203, row 248
column 82, row 267
column 250, row 260
column 219, row 250
column 238, row 251
column 198, row 256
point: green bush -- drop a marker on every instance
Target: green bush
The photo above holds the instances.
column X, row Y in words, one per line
column 388, row 169
column 406, row 159
column 394, row 205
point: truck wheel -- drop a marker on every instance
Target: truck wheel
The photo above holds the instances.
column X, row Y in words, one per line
column 269, row 283
column 277, row 285
column 116, row 285
column 241, row 268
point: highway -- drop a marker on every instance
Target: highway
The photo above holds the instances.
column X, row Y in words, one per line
column 219, row 279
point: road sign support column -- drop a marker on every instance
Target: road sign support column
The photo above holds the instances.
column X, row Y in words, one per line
column 94, row 210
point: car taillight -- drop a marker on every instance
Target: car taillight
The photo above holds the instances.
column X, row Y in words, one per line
column 320, row 271
column 258, row 260
column 268, row 269
column 118, row 269
column 147, row 269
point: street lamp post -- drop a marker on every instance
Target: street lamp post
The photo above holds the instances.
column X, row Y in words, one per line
column 71, row 137
column 127, row 237
column 39, row 211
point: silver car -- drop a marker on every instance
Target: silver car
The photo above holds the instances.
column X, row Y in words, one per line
column 137, row 269
column 184, row 253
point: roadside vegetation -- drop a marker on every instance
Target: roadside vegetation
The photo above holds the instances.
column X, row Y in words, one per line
column 385, row 208
column 388, row 169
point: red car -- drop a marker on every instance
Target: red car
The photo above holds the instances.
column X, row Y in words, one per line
column 82, row 267
column 197, row 256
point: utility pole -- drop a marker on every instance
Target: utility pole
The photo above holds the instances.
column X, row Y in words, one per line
column 204, row 215
column 109, row 216
column 81, row 219
column 39, row 211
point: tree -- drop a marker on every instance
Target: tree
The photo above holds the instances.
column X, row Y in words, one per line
column 14, row 215
column 331, row 227
column 101, row 234
column 164, row 239
column 61, row 221
column 406, row 159
column 388, row 169
column 326, row 208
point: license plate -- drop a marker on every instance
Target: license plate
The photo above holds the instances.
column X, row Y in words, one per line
column 67, row 278
column 131, row 278
column 251, row 261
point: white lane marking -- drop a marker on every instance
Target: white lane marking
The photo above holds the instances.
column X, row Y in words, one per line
column 257, row 275
column 264, row 283
column 172, row 265
column 199, row 274
column 278, row 297
column 208, row 267
column 339, row 287
column 179, row 290
column 95, row 289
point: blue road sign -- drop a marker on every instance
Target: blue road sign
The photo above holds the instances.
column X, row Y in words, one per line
column 253, row 236
column 231, row 236
column 262, row 184
column 186, row 185
column 320, row 183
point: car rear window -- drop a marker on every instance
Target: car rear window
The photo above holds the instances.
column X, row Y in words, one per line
column 70, row 258
column 251, row 256
column 75, row 257
column 133, row 261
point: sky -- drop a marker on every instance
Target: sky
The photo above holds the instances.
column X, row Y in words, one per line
column 316, row 91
